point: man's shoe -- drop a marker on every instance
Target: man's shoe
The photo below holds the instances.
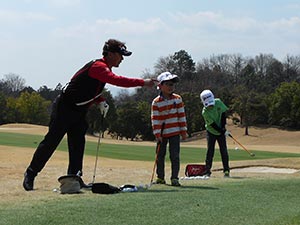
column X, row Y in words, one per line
column 226, row 174
column 160, row 181
column 175, row 182
column 28, row 181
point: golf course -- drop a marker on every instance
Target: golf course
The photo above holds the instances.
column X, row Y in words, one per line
column 263, row 189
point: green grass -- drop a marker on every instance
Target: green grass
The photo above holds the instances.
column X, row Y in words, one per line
column 140, row 153
column 214, row 201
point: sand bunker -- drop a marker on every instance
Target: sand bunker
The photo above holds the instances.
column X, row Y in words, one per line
column 265, row 169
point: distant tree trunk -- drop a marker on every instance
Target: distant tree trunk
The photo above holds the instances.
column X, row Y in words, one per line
column 246, row 130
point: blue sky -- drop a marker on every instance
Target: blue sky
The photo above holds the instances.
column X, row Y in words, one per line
column 47, row 41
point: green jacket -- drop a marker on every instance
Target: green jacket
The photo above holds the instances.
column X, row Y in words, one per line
column 212, row 114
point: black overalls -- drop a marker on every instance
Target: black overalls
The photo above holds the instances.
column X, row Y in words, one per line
column 68, row 117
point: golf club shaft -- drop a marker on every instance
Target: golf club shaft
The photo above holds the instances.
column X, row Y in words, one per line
column 157, row 151
column 155, row 162
column 97, row 152
column 251, row 154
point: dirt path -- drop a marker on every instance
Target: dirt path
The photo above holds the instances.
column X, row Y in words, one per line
column 117, row 172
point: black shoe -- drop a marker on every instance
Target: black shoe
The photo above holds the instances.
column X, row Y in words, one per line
column 226, row 174
column 206, row 173
column 160, row 181
column 28, row 181
column 175, row 182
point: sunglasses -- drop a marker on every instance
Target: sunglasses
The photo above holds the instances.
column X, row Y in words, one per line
column 169, row 84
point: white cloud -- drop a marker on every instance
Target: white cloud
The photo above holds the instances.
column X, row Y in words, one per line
column 295, row 6
column 216, row 21
column 201, row 34
column 292, row 23
column 106, row 27
column 10, row 16
column 64, row 3
column 55, row 3
column 215, row 33
column 219, row 21
column 132, row 27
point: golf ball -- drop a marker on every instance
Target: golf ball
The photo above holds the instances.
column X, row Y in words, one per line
column 236, row 148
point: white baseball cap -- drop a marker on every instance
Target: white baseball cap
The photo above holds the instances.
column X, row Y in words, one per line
column 165, row 76
column 207, row 98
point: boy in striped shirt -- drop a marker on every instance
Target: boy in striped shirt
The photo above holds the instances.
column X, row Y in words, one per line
column 168, row 124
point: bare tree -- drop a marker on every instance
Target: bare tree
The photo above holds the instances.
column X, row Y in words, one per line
column 292, row 68
column 164, row 64
column 12, row 84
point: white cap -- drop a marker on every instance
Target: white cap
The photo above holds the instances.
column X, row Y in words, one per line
column 165, row 76
column 207, row 98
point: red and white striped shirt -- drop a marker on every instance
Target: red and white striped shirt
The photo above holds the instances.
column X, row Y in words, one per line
column 168, row 111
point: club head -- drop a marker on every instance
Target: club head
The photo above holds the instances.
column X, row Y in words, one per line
column 143, row 187
column 89, row 185
column 252, row 154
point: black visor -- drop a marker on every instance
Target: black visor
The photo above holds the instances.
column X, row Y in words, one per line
column 120, row 49
column 123, row 51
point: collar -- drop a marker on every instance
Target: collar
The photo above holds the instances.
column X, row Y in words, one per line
column 105, row 62
column 162, row 97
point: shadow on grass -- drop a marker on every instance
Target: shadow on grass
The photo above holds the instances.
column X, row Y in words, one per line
column 198, row 187
column 177, row 189
column 160, row 191
column 236, row 177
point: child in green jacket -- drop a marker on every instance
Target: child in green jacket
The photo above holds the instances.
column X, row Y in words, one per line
column 213, row 113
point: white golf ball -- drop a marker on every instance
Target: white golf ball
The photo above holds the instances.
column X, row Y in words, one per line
column 236, row 148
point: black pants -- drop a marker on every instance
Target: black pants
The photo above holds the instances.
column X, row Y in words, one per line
column 211, row 142
column 64, row 120
column 174, row 149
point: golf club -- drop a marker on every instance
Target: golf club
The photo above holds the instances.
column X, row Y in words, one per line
column 156, row 155
column 97, row 152
column 250, row 153
column 104, row 111
column 90, row 185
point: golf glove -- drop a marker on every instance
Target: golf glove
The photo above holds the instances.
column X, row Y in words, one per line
column 103, row 107
column 227, row 133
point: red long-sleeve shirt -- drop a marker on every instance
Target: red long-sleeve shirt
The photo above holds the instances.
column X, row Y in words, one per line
column 87, row 84
column 100, row 71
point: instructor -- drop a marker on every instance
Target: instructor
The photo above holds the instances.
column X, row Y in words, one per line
column 70, row 108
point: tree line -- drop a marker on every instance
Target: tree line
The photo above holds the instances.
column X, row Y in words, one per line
column 259, row 90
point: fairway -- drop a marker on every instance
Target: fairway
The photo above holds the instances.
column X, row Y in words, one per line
column 245, row 198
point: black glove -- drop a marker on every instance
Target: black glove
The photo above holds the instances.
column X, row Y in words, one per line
column 219, row 129
column 223, row 131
